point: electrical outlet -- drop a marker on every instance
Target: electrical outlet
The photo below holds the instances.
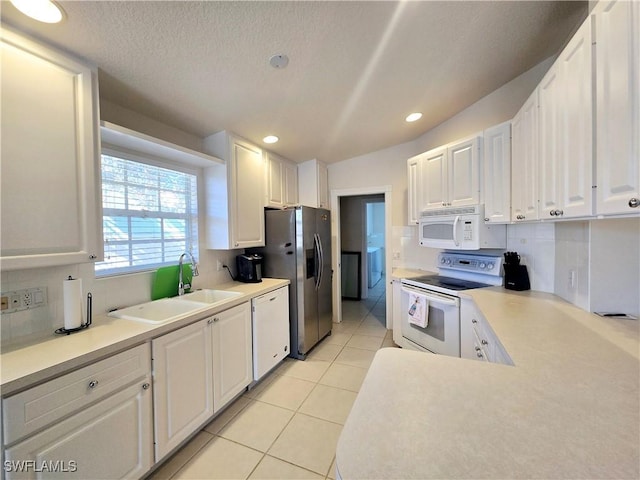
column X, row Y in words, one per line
column 24, row 299
column 218, row 265
column 572, row 279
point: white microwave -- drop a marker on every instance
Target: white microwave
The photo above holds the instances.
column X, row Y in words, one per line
column 460, row 228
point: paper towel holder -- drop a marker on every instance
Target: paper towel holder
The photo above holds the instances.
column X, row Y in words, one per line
column 65, row 331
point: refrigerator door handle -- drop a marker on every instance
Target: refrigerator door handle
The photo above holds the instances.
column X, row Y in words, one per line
column 320, row 260
column 317, row 260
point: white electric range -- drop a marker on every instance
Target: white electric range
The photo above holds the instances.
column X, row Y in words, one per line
column 457, row 272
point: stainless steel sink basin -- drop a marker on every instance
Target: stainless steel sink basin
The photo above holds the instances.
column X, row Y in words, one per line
column 210, row 296
column 160, row 311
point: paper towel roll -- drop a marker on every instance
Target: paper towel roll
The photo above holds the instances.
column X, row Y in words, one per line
column 72, row 292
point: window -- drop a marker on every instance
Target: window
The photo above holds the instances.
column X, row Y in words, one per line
column 150, row 215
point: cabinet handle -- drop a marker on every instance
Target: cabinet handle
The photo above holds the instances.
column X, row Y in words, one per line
column 479, row 354
column 477, row 349
column 474, row 320
column 484, row 342
column 215, row 319
column 211, row 320
column 552, row 212
column 146, row 386
column 634, row 202
column 486, row 219
column 92, row 257
column 93, row 383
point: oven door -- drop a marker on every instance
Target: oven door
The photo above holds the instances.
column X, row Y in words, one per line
column 442, row 333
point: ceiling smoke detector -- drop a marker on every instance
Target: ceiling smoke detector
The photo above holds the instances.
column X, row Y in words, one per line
column 279, row 61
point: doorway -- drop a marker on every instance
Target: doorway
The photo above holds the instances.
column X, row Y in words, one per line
column 361, row 225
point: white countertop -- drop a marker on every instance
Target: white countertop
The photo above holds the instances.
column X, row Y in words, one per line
column 569, row 408
column 44, row 359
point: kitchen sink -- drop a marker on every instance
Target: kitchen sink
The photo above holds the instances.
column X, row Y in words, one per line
column 160, row 311
column 210, row 296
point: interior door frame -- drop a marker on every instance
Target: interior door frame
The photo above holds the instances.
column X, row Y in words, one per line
column 335, row 195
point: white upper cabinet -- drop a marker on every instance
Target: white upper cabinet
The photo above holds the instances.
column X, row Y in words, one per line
column 524, row 161
column 617, row 33
column 281, row 181
column 496, row 186
column 450, row 175
column 50, row 185
column 235, row 193
column 313, row 186
column 463, row 172
column 433, row 179
column 565, row 136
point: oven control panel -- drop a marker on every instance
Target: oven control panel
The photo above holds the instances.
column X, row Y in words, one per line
column 486, row 264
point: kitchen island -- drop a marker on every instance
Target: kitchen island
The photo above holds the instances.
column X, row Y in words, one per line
column 568, row 408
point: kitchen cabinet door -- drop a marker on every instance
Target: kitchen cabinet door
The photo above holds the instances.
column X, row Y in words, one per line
column 565, row 137
column 524, row 162
column 183, row 384
column 497, row 173
column 281, row 182
column 111, row 439
column 433, row 179
column 234, row 193
column 617, row 32
column 50, row 211
column 463, row 172
column 290, row 184
column 275, row 187
column 413, row 175
column 551, row 140
column 271, row 340
column 313, row 184
column 232, row 355
column 575, row 65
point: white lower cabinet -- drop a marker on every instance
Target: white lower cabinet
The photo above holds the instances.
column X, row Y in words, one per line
column 477, row 339
column 112, row 439
column 95, row 422
column 232, row 355
column 197, row 370
column 271, row 342
column 182, row 384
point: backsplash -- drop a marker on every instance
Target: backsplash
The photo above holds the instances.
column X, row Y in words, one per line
column 108, row 292
column 535, row 243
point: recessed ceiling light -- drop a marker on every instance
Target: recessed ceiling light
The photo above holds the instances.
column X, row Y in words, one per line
column 413, row 117
column 42, row 10
column 270, row 139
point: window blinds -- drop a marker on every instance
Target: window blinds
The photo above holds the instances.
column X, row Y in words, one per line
column 150, row 215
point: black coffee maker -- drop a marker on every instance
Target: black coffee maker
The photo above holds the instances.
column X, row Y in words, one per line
column 516, row 276
column 249, row 268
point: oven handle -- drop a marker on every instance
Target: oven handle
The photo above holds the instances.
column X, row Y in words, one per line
column 455, row 230
column 432, row 297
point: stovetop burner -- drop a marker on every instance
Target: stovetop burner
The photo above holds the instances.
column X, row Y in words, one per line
column 449, row 283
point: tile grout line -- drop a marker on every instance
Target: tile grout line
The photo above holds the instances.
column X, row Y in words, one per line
column 295, row 412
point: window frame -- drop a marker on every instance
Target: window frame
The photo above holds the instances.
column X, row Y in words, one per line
column 154, row 161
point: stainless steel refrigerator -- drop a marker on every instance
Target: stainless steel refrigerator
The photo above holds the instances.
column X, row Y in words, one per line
column 298, row 247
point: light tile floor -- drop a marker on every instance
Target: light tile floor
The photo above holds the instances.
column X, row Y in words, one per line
column 287, row 427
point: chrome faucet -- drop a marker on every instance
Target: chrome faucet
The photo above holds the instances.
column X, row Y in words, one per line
column 194, row 271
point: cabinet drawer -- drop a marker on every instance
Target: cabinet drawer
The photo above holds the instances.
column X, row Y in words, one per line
column 34, row 409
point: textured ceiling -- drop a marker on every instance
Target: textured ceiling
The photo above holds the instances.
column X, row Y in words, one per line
column 356, row 68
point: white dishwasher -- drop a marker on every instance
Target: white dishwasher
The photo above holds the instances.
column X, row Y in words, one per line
column 271, row 343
